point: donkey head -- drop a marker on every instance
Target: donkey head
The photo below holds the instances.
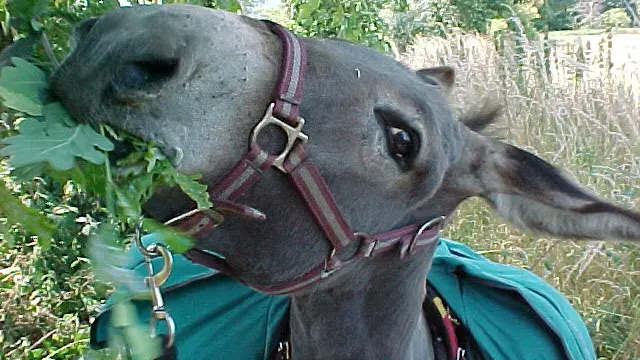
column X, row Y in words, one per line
column 196, row 81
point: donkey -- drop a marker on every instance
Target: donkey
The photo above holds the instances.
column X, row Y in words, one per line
column 383, row 138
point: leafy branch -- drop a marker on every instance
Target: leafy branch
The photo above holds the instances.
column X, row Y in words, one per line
column 50, row 142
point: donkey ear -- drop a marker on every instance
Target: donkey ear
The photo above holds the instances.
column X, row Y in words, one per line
column 534, row 195
column 537, row 197
column 443, row 76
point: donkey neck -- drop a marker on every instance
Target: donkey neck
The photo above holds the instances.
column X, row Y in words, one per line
column 372, row 311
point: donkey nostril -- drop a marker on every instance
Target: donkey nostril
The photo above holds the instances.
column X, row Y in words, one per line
column 131, row 76
column 159, row 69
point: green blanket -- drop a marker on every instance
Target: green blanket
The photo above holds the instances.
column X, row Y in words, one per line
column 510, row 312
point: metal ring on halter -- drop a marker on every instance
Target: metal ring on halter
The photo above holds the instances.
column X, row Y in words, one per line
column 294, row 134
column 438, row 221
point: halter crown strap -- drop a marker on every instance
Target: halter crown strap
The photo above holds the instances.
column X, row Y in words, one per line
column 292, row 69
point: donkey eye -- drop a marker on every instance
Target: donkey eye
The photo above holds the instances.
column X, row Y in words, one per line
column 401, row 144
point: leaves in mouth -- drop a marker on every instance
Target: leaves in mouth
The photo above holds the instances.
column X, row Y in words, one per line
column 49, row 141
column 50, row 135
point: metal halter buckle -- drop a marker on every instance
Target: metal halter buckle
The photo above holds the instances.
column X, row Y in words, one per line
column 293, row 134
column 439, row 222
column 367, row 247
column 329, row 266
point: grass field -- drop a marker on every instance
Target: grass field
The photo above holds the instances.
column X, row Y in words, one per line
column 588, row 126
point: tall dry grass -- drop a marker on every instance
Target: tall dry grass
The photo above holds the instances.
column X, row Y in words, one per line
column 590, row 126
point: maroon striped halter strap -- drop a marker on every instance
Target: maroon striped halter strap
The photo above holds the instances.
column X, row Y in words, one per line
column 283, row 112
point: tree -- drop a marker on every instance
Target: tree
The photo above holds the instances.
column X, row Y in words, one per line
column 556, row 15
column 359, row 21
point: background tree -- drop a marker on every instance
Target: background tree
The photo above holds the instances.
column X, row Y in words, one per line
column 556, row 15
column 359, row 21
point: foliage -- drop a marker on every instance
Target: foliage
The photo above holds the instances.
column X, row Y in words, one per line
column 409, row 19
column 358, row 21
column 630, row 6
column 53, row 141
column 615, row 18
column 20, row 87
column 46, row 25
column 228, row 5
column 30, row 219
column 49, row 144
column 556, row 15
column 475, row 15
column 50, row 295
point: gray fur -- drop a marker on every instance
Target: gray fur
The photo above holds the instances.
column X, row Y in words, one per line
column 205, row 110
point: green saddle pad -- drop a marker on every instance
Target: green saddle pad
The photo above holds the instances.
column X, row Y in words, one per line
column 510, row 312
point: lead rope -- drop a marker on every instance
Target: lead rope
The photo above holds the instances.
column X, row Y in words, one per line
column 154, row 281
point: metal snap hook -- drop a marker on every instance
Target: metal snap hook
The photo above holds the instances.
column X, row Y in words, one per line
column 167, row 263
column 163, row 315
column 137, row 237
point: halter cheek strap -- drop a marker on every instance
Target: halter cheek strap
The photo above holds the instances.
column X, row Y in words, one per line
column 305, row 176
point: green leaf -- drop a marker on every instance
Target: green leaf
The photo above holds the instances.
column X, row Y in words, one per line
column 195, row 190
column 132, row 194
column 174, row 239
column 141, row 345
column 54, row 112
column 90, row 177
column 28, row 172
column 55, row 143
column 6, row 235
column 94, row 178
column 229, row 5
column 36, row 25
column 338, row 17
column 22, row 48
column 21, row 85
column 152, row 156
column 31, row 219
column 27, row 9
column 307, row 9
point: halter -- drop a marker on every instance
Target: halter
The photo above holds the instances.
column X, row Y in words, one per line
column 306, row 178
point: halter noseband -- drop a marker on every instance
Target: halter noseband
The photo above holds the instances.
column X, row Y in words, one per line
column 283, row 112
